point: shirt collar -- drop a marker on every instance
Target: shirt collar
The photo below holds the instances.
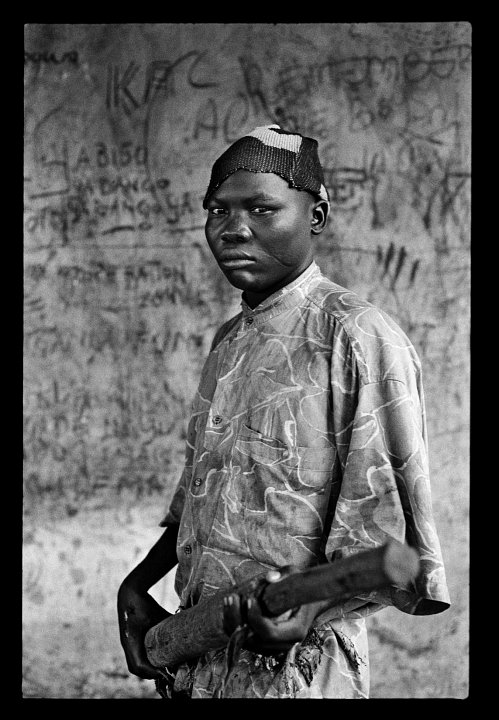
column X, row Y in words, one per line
column 288, row 296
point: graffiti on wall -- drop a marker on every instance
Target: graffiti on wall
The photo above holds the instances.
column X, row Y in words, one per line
column 121, row 295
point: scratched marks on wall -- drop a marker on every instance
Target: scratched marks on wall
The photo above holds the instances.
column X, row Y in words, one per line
column 99, row 191
column 119, row 345
column 122, row 298
column 404, row 120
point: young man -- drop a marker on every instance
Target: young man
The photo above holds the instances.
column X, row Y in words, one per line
column 307, row 443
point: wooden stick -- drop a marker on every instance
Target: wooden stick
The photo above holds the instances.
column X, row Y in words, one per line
column 391, row 564
column 197, row 630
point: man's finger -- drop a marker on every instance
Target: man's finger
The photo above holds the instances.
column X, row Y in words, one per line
column 275, row 630
column 232, row 613
column 262, row 626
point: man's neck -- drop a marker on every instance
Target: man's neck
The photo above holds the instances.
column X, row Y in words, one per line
column 252, row 299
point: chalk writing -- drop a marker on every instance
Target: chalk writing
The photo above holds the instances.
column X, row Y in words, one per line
column 108, row 205
column 51, row 58
column 231, row 120
column 131, row 454
column 142, row 340
column 55, row 168
column 385, row 260
column 102, row 156
column 343, row 185
column 121, row 296
column 303, row 79
column 158, row 76
column 148, row 284
column 52, row 172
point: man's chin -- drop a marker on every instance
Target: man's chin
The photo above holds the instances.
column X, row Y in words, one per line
column 243, row 279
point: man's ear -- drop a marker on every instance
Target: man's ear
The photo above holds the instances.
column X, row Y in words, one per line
column 320, row 213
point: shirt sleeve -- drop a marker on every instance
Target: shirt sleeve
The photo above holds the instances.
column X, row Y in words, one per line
column 176, row 506
column 384, row 492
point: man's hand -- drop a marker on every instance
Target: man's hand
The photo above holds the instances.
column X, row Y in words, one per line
column 137, row 612
column 269, row 636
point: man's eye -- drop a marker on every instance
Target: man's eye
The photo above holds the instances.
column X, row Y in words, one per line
column 216, row 211
column 259, row 209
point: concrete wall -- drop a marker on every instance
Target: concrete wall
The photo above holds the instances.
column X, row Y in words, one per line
column 122, row 297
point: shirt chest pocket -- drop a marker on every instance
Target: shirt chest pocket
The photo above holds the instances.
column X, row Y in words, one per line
column 273, row 463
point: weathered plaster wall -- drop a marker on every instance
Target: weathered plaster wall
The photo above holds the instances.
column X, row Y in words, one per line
column 122, row 297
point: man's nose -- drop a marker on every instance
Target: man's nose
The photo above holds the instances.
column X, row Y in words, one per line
column 236, row 229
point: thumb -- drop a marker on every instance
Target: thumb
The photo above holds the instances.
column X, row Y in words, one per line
column 276, row 575
column 273, row 576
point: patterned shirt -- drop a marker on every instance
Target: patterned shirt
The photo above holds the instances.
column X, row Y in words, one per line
column 307, row 442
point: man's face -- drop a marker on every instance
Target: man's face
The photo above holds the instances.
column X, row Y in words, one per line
column 259, row 230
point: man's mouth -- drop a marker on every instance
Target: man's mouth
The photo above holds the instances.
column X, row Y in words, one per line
column 233, row 261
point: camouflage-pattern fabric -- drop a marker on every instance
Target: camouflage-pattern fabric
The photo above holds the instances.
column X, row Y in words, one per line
column 307, row 442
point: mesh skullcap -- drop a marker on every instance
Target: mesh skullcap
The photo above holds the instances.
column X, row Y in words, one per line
column 268, row 149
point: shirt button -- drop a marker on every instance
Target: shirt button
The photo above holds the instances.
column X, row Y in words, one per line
column 217, row 420
column 249, row 320
column 188, row 549
column 197, row 482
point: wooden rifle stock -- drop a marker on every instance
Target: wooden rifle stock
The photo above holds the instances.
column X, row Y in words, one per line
column 199, row 629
